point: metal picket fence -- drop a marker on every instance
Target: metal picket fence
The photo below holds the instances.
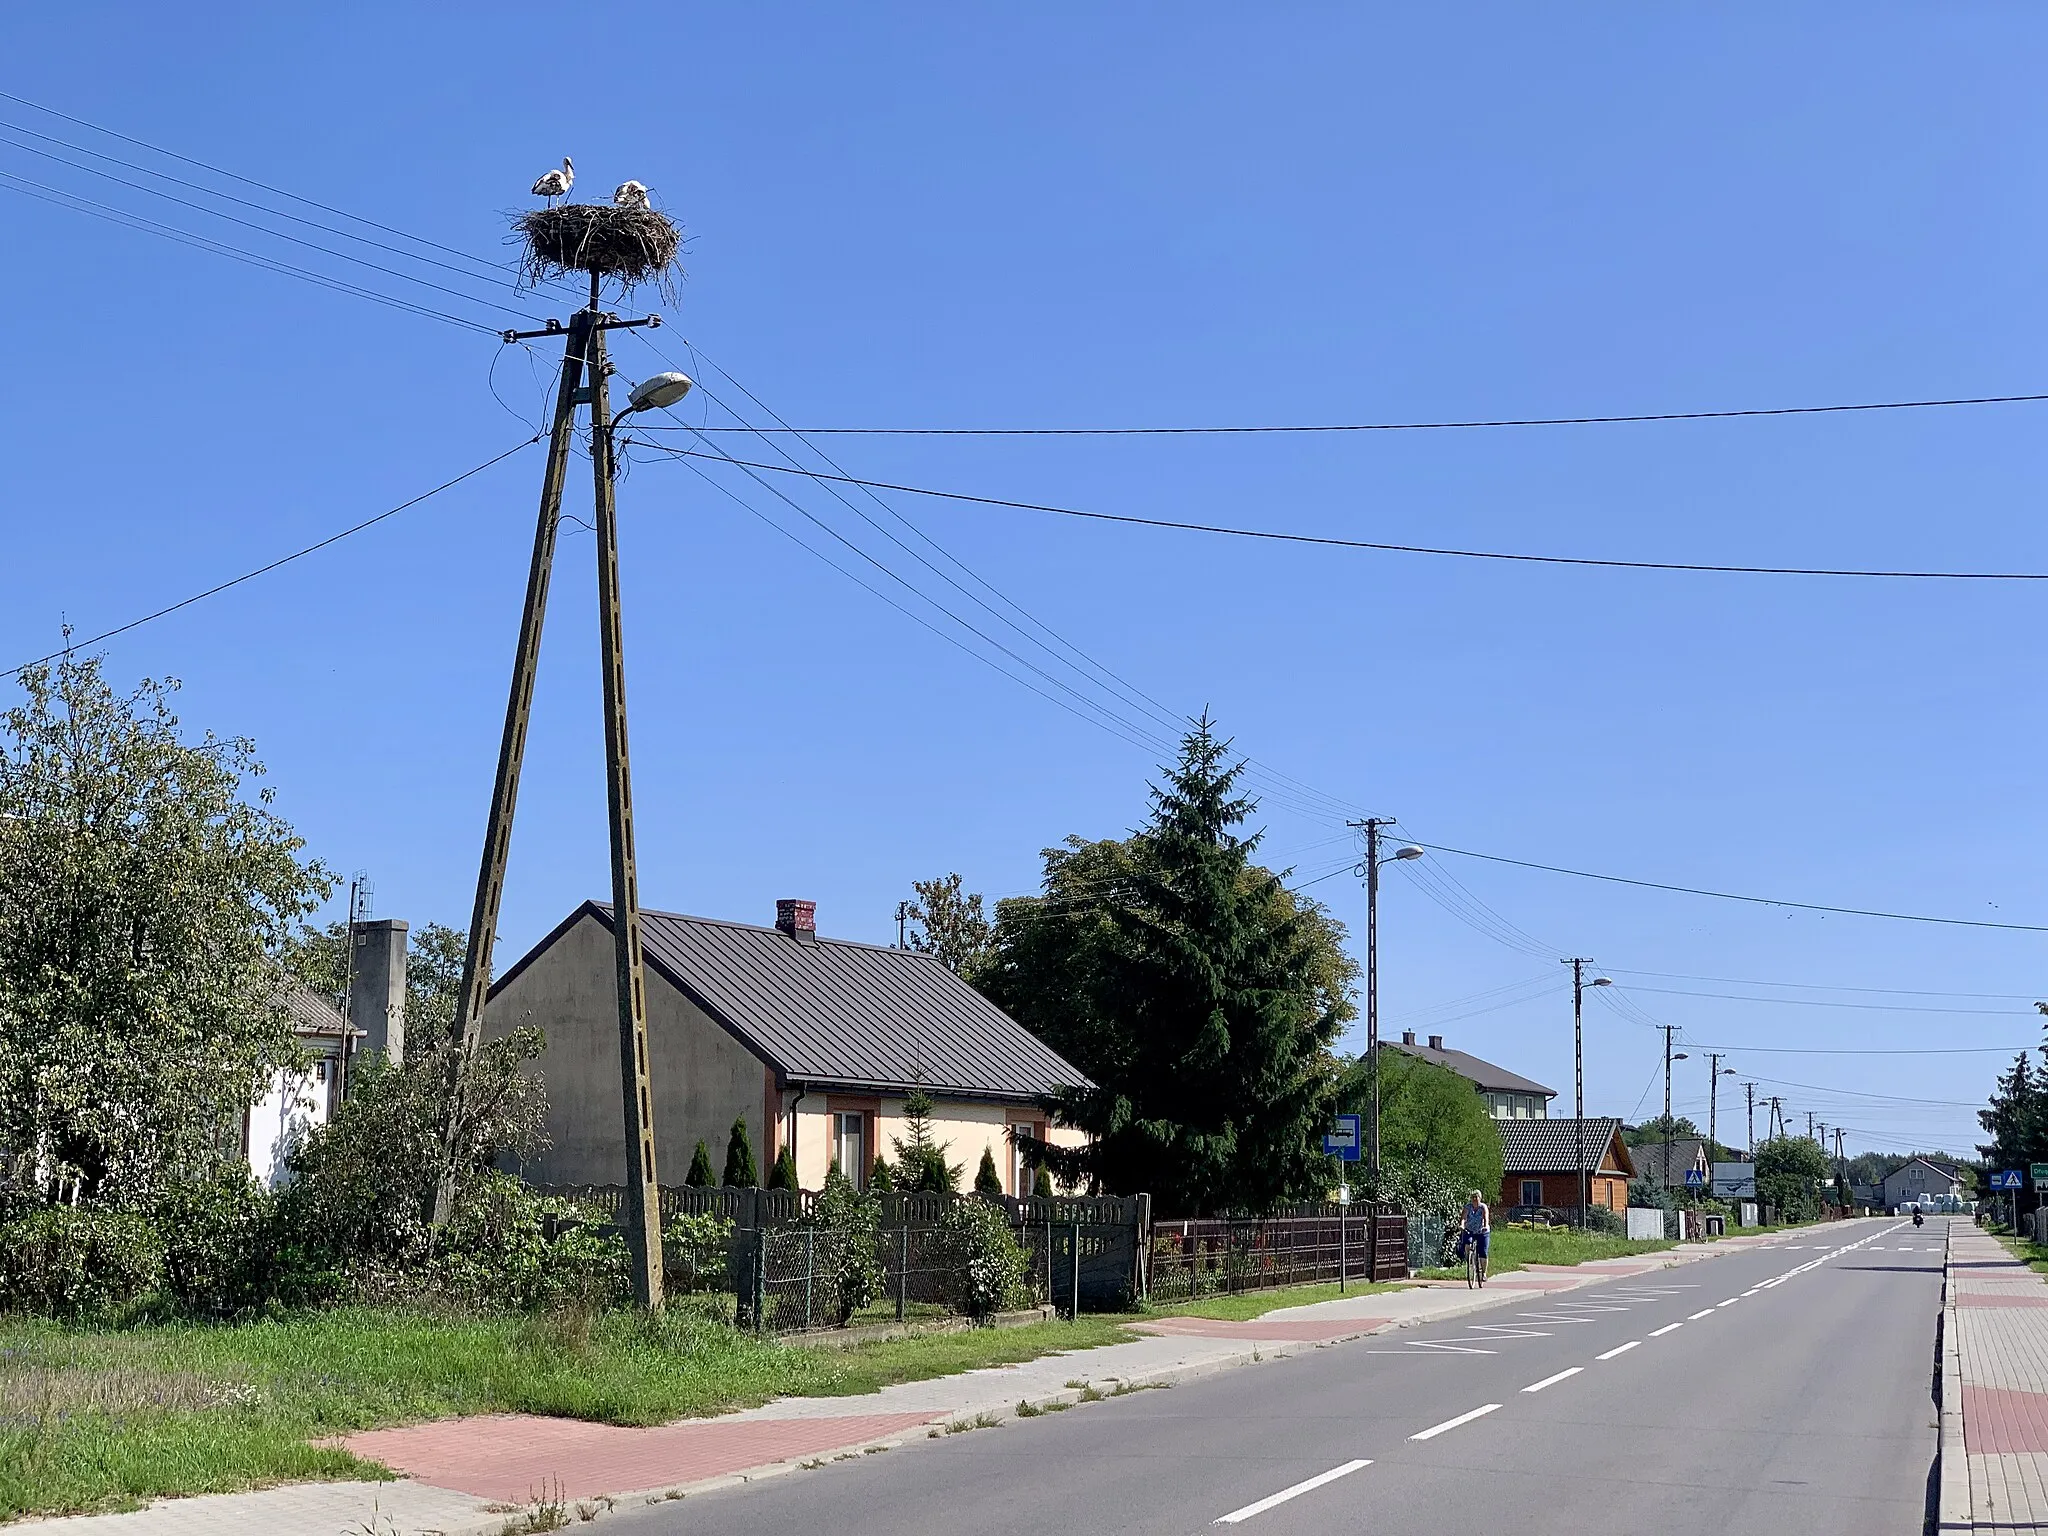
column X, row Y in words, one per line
column 1189, row 1259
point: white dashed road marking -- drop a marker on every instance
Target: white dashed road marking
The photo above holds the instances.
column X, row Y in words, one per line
column 1619, row 1349
column 1551, row 1381
column 1464, row 1418
column 1658, row 1333
column 1285, row 1494
column 1703, row 1312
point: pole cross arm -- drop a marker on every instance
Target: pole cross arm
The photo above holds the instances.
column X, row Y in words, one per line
column 555, row 328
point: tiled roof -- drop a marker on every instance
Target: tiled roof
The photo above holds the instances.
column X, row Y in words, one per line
column 832, row 1014
column 1552, row 1146
column 1484, row 1074
column 311, row 1014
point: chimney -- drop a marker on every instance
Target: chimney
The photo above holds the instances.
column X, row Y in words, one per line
column 1407, row 1037
column 1436, row 1042
column 798, row 919
column 376, row 986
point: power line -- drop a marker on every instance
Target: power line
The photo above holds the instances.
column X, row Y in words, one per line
column 1326, row 541
column 43, row 192
column 1820, row 986
column 1762, row 901
column 1427, row 426
column 1816, row 1050
column 1824, row 1002
column 297, row 554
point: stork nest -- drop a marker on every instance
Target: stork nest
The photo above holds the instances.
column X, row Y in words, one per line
column 634, row 245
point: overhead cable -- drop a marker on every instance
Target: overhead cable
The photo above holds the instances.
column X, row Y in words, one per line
column 1383, row 547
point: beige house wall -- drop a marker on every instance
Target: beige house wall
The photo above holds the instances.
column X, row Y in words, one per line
column 965, row 1127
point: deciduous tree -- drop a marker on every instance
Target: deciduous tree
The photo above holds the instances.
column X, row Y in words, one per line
column 146, row 896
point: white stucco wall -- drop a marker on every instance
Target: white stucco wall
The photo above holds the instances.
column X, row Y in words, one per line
column 293, row 1104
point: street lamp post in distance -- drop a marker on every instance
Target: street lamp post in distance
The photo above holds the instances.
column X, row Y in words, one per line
column 1579, row 985
column 1370, row 826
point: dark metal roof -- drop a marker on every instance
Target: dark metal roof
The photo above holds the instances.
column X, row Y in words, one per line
column 1552, row 1146
column 1686, row 1152
column 832, row 1014
column 1488, row 1077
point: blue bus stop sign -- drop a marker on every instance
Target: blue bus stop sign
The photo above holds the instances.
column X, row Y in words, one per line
column 1345, row 1140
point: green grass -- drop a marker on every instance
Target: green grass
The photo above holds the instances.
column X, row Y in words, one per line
column 2024, row 1248
column 1514, row 1247
column 103, row 1419
column 1246, row 1305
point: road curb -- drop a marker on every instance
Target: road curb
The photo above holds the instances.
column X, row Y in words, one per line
column 1953, row 1511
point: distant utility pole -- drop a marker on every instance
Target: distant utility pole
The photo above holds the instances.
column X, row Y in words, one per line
column 1668, row 1059
column 1579, row 985
column 1370, row 826
column 902, row 920
column 1714, row 1097
column 359, row 894
column 583, row 381
column 1809, row 1125
column 1749, row 1091
column 1774, row 1126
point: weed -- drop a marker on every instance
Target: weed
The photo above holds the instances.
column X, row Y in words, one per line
column 1090, row 1393
column 1026, row 1409
column 1076, row 1385
column 547, row 1510
column 1055, row 1406
column 1126, row 1388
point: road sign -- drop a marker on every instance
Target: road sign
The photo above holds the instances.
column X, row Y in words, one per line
column 2007, row 1178
column 2039, row 1173
column 1695, row 1178
column 1345, row 1140
column 1735, row 1181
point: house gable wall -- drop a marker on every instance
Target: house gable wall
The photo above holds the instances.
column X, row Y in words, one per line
column 703, row 1077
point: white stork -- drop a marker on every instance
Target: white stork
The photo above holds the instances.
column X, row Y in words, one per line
column 631, row 194
column 556, row 183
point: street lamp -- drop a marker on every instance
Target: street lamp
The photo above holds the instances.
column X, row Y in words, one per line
column 1579, row 985
column 1370, row 868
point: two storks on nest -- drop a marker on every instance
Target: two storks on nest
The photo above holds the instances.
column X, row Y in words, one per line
column 630, row 194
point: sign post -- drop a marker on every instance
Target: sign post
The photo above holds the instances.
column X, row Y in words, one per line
column 1345, row 1141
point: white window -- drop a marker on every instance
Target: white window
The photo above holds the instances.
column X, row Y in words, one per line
column 1532, row 1191
column 850, row 1145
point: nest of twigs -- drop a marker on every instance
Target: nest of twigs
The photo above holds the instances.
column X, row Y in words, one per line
column 634, row 245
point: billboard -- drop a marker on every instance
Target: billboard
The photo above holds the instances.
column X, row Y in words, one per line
column 1735, row 1181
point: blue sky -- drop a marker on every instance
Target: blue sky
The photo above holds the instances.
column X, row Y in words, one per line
column 1167, row 215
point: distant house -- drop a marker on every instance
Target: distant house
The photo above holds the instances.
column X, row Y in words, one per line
column 815, row 1042
column 1540, row 1164
column 1668, row 1162
column 1921, row 1179
column 294, row 1102
column 1507, row 1095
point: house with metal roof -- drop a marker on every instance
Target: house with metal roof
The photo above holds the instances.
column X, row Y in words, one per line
column 293, row 1102
column 815, row 1042
column 1507, row 1095
column 1668, row 1162
column 1540, row 1164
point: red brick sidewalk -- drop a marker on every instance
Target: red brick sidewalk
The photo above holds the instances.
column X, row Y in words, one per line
column 1995, row 1376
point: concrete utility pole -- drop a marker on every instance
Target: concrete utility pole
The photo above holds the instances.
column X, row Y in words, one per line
column 1370, row 826
column 1579, row 984
column 1809, row 1125
column 1668, row 1059
column 1749, row 1091
column 1774, row 1124
column 902, row 921
column 1714, row 1097
column 583, row 355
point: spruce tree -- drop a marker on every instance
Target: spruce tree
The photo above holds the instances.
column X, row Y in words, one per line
column 1200, row 996
column 783, row 1174
column 1042, row 1185
column 700, row 1175
column 987, row 1181
column 920, row 1156
column 880, row 1181
column 740, row 1170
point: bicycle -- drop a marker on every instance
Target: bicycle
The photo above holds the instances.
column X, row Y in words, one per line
column 1475, row 1265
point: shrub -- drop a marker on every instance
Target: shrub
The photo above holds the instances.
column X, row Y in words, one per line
column 222, row 1257
column 984, row 1265
column 1609, row 1223
column 64, row 1261
column 694, row 1251
column 880, row 1180
column 1041, row 1185
column 841, row 1208
column 740, row 1170
column 589, row 1268
column 782, row 1174
column 986, row 1180
column 700, row 1175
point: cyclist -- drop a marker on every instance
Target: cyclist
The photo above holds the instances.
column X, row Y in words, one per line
column 1477, row 1230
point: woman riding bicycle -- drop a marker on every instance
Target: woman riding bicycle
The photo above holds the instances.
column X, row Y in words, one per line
column 1477, row 1232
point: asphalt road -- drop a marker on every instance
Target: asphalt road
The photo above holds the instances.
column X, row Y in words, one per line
column 1787, row 1389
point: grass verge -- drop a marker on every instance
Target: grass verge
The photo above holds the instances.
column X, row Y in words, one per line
column 104, row 1419
column 1514, row 1247
column 1246, row 1305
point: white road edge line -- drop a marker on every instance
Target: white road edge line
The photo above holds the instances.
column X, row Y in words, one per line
column 1464, row 1418
column 1658, row 1333
column 1285, row 1494
column 1619, row 1349
column 1707, row 1312
column 1551, row 1381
